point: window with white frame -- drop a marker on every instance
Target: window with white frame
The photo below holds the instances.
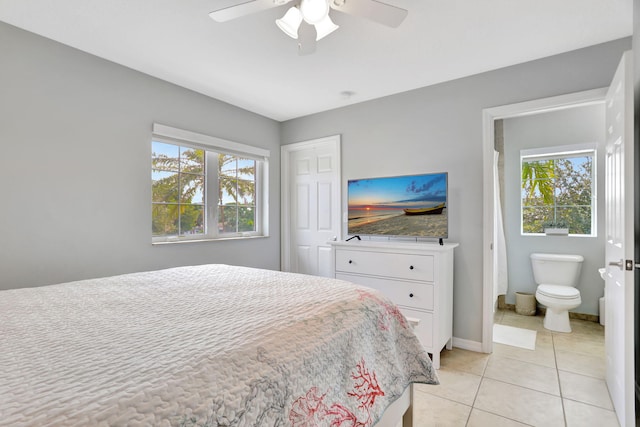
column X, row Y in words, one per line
column 559, row 189
column 205, row 187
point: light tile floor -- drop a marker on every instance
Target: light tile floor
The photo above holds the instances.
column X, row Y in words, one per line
column 560, row 383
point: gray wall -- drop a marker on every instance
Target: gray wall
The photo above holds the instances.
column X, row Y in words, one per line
column 439, row 128
column 66, row 218
column 75, row 166
column 565, row 127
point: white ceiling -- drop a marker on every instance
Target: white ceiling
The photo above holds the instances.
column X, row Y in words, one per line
column 250, row 63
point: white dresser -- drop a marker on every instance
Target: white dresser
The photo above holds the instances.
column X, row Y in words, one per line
column 418, row 277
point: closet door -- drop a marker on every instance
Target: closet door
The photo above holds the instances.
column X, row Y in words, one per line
column 310, row 205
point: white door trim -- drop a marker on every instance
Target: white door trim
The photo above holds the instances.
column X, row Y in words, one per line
column 489, row 115
column 285, row 208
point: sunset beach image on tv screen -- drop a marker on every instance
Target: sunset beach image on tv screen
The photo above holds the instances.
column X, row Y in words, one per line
column 411, row 205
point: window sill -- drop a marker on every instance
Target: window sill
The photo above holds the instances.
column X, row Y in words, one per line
column 557, row 235
column 218, row 239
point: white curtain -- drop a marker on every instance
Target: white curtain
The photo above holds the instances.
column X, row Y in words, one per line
column 500, row 281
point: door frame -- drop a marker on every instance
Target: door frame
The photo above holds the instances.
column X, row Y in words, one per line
column 489, row 115
column 285, row 198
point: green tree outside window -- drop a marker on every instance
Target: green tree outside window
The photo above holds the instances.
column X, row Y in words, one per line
column 179, row 185
column 558, row 189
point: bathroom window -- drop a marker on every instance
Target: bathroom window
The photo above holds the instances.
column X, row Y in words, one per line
column 558, row 189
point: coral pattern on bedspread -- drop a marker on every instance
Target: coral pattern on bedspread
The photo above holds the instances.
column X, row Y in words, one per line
column 310, row 410
column 211, row 345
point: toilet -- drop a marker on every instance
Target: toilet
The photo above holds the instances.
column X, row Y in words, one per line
column 556, row 276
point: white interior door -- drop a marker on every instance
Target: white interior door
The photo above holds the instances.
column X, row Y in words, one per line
column 619, row 247
column 311, row 205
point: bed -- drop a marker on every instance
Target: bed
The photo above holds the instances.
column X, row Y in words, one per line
column 211, row 345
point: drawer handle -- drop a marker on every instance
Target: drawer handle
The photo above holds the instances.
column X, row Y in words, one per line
column 411, row 267
column 411, row 295
column 350, row 262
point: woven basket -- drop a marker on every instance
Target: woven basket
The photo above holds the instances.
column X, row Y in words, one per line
column 525, row 304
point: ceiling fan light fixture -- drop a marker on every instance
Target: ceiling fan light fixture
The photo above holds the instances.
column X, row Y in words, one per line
column 290, row 22
column 325, row 27
column 314, row 11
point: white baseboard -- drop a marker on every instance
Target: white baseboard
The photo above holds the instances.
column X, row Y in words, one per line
column 467, row 344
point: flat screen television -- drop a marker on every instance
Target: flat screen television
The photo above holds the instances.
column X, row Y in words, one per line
column 399, row 206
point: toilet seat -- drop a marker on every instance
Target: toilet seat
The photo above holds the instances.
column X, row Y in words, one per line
column 558, row 291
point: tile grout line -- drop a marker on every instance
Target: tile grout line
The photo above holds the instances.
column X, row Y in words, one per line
column 475, row 397
column 590, row 404
column 482, row 378
column 473, row 406
column 555, row 358
column 555, row 348
column 556, row 372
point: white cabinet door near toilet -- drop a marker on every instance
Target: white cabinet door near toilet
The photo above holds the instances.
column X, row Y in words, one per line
column 418, row 277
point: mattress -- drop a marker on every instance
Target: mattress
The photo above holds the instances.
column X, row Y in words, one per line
column 211, row 345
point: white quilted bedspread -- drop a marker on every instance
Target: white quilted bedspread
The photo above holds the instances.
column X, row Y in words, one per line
column 210, row 345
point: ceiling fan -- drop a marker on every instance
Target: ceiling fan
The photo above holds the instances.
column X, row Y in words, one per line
column 308, row 20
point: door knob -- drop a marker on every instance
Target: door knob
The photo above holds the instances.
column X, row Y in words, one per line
column 628, row 265
column 619, row 264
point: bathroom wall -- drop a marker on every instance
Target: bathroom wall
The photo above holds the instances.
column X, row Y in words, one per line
column 578, row 125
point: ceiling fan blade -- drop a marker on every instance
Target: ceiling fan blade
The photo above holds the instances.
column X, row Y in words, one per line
column 245, row 8
column 373, row 10
column 306, row 39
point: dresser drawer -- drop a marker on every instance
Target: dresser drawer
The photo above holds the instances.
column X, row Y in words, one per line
column 422, row 324
column 417, row 277
column 400, row 266
column 409, row 294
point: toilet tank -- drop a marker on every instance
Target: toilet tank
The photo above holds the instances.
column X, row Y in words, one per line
column 556, row 269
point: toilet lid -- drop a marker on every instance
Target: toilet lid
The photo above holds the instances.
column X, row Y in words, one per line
column 557, row 291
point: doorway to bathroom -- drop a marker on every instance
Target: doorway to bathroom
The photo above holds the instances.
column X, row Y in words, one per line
column 553, row 172
column 526, row 126
column 619, row 227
